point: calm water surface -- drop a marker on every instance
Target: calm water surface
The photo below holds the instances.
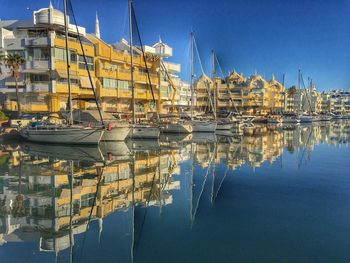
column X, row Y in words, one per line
column 276, row 194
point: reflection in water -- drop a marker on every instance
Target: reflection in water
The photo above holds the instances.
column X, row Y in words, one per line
column 60, row 198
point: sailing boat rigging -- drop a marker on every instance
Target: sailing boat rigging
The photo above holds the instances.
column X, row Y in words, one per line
column 139, row 131
column 228, row 122
column 171, row 125
column 69, row 133
column 200, row 125
column 309, row 117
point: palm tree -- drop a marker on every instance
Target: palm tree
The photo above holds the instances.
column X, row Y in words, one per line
column 292, row 91
column 1, row 60
column 14, row 62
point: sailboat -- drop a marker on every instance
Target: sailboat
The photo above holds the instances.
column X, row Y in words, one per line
column 172, row 123
column 309, row 116
column 46, row 132
column 198, row 124
column 228, row 122
column 139, row 131
column 116, row 130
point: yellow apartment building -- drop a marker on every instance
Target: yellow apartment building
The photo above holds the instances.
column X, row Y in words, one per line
column 43, row 79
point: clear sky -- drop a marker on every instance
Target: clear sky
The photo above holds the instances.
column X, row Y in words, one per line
column 266, row 36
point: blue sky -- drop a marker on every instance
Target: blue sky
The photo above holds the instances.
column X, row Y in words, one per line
column 269, row 37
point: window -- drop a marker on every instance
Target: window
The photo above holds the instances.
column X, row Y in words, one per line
column 60, row 54
column 65, row 81
column 109, row 83
column 37, row 33
column 89, row 60
column 123, row 85
column 87, row 200
column 38, row 54
column 39, row 78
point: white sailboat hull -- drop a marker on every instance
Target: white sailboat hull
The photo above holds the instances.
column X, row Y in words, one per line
column 274, row 120
column 144, row 132
column 116, row 134
column 326, row 118
column 63, row 135
column 204, row 126
column 65, row 152
column 177, row 128
column 290, row 120
column 224, row 126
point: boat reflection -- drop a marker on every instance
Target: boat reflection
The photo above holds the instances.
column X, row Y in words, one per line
column 51, row 195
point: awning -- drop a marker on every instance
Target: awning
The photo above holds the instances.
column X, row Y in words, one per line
column 85, row 82
column 63, row 74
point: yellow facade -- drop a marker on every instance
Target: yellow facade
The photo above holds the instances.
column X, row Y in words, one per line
column 250, row 96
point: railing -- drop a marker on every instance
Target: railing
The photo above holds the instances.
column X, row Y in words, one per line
column 38, row 87
column 37, row 64
column 37, row 41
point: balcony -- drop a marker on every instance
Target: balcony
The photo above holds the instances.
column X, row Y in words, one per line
column 224, row 104
column 124, row 94
column 63, row 88
column 172, row 67
column 143, row 78
column 141, row 95
column 37, row 42
column 37, row 66
column 38, row 87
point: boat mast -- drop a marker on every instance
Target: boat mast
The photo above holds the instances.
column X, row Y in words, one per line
column 216, row 93
column 86, row 64
column 131, row 63
column 68, row 65
column 300, row 106
column 192, row 72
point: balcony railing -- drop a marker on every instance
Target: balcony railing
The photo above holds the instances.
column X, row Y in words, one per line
column 37, row 41
column 38, row 87
column 37, row 65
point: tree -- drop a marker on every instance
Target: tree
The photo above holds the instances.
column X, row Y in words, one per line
column 1, row 61
column 292, row 91
column 14, row 62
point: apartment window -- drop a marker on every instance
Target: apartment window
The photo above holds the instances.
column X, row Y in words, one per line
column 111, row 67
column 60, row 54
column 109, row 83
column 87, row 200
column 123, row 85
column 37, row 33
column 38, row 54
column 89, row 60
column 65, row 81
column 39, row 78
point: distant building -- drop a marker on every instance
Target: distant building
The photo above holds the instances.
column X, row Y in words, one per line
column 337, row 101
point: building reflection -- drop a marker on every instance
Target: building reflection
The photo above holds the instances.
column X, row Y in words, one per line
column 50, row 195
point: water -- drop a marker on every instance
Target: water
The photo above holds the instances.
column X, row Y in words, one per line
column 272, row 195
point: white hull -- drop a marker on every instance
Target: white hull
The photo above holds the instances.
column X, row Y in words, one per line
column 177, row 128
column 325, row 118
column 116, row 134
column 308, row 119
column 65, row 152
column 224, row 126
column 63, row 135
column 114, row 151
column 144, row 132
column 290, row 120
column 274, row 120
column 203, row 126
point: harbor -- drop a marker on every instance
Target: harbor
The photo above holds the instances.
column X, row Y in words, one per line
column 152, row 148
column 128, row 201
